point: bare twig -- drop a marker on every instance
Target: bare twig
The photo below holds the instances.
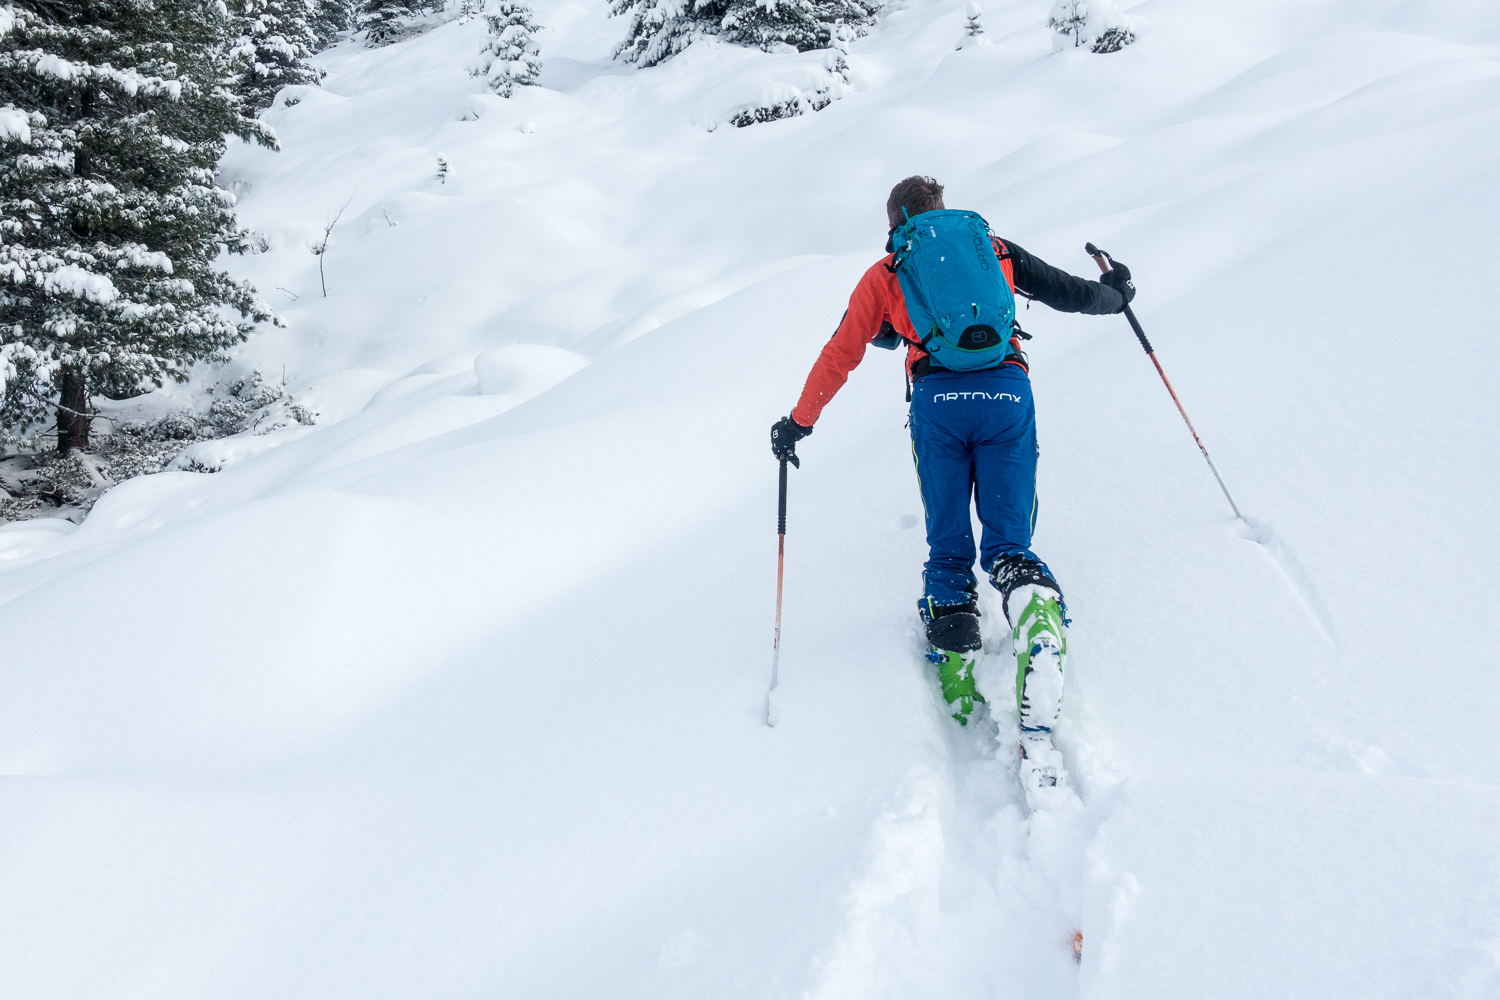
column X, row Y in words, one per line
column 90, row 415
column 322, row 250
column 46, row 402
column 293, row 294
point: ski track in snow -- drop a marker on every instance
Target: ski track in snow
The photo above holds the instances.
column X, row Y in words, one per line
column 1291, row 571
column 459, row 693
column 969, row 888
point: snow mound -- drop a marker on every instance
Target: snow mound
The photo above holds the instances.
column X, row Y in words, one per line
column 525, row 370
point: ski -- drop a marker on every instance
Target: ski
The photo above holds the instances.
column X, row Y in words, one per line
column 1044, row 779
column 1041, row 765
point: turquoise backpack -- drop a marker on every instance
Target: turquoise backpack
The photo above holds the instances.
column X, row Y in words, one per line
column 959, row 302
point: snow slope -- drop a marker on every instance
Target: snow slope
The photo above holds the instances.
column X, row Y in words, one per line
column 458, row 693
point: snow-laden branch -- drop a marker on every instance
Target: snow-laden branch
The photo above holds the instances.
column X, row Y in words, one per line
column 138, row 256
column 75, row 282
column 16, row 356
column 48, row 64
column 56, row 276
column 16, row 124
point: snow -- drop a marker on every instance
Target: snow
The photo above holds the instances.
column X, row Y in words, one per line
column 14, row 123
column 70, row 279
column 129, row 81
column 524, row 370
column 460, row 691
column 134, row 256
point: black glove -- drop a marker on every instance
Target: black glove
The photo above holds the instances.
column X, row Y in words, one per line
column 785, row 433
column 1118, row 278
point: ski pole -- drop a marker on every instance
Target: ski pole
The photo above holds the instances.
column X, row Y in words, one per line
column 1106, row 263
column 780, row 566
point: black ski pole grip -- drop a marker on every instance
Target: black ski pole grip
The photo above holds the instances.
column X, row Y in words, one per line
column 1106, row 264
column 781, row 503
column 1140, row 334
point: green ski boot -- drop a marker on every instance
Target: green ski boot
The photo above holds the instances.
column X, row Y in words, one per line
column 953, row 631
column 1041, row 645
column 956, row 675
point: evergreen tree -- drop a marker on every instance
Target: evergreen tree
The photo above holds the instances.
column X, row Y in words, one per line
column 659, row 29
column 330, row 18
column 382, row 20
column 276, row 40
column 838, row 55
column 511, row 58
column 802, row 24
column 973, row 30
column 1109, row 30
column 773, row 23
column 115, row 115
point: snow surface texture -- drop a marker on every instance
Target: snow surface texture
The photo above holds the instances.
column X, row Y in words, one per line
column 459, row 692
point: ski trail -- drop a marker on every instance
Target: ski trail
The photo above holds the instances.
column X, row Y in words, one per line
column 964, row 890
column 1291, row 571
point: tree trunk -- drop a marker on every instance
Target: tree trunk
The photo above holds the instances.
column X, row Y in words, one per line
column 72, row 425
column 72, row 419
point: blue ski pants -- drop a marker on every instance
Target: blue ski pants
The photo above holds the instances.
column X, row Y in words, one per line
column 973, row 434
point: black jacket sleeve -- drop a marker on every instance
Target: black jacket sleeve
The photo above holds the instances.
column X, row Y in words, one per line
column 1059, row 289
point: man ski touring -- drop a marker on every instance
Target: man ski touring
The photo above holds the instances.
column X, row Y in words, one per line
column 947, row 287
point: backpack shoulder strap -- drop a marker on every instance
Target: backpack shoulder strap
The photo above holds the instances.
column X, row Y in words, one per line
column 1007, row 264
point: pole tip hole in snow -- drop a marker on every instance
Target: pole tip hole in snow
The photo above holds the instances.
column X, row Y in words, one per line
column 1254, row 531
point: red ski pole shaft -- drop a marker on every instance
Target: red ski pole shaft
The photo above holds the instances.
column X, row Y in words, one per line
column 780, row 568
column 1105, row 266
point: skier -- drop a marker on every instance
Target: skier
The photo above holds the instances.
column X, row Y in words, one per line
column 973, row 427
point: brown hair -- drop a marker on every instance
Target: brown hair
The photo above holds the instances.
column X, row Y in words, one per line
column 916, row 194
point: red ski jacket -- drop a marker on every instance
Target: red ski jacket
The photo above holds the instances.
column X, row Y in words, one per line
column 877, row 304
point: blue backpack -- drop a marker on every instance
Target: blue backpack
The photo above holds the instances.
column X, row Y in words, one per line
column 959, row 302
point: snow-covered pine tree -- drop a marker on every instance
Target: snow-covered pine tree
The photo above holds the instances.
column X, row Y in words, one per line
column 659, row 29
column 838, row 85
column 838, row 56
column 114, row 118
column 382, row 20
column 331, row 18
column 510, row 58
column 768, row 24
column 276, row 39
column 973, row 30
column 802, row 24
column 1108, row 29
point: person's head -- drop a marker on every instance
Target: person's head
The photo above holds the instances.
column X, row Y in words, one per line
column 916, row 194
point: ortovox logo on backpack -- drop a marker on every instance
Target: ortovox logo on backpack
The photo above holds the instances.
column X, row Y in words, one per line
column 958, row 300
